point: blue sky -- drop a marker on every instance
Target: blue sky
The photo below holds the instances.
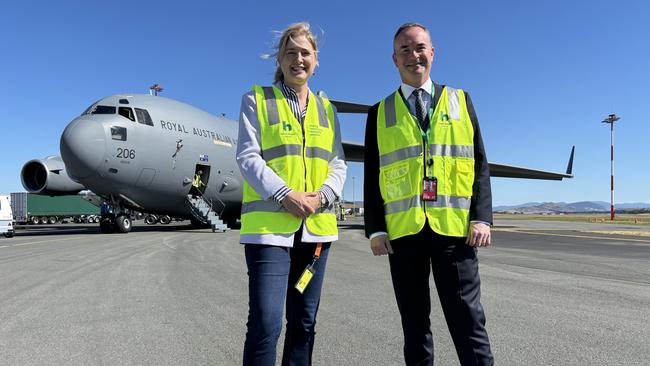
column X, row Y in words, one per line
column 542, row 74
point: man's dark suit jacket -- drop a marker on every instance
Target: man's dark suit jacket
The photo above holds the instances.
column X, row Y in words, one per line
column 481, row 207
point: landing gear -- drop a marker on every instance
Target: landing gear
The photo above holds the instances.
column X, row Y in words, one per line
column 150, row 219
column 106, row 225
column 123, row 224
column 165, row 219
column 110, row 224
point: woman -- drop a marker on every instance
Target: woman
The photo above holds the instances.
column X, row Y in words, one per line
column 290, row 155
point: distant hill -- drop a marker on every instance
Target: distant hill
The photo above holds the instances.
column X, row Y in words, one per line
column 558, row 207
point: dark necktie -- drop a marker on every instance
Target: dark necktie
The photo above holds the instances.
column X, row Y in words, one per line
column 419, row 108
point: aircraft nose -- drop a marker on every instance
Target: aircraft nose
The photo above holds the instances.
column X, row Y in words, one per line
column 83, row 145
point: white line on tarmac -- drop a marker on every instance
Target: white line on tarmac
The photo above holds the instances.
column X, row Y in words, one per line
column 41, row 241
column 574, row 236
column 168, row 238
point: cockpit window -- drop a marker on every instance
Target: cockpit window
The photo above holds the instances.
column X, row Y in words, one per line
column 143, row 116
column 127, row 113
column 89, row 109
column 103, row 109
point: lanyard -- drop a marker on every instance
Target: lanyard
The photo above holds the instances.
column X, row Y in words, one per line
column 319, row 246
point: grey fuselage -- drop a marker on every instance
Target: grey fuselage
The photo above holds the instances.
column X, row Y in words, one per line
column 148, row 162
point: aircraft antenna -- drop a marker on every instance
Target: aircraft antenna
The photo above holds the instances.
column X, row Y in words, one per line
column 611, row 119
column 155, row 89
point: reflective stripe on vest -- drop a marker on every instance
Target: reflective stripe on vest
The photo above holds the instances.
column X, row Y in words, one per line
column 299, row 154
column 402, row 155
column 462, row 203
column 273, row 207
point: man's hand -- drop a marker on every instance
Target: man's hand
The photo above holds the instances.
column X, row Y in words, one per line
column 301, row 204
column 380, row 245
column 479, row 235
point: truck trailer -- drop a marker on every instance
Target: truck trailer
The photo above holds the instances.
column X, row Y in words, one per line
column 6, row 217
column 31, row 208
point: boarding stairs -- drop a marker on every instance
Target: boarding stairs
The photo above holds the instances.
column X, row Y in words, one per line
column 203, row 211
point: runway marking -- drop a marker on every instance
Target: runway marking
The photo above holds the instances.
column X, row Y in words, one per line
column 575, row 274
column 167, row 238
column 619, row 232
column 574, row 236
column 38, row 242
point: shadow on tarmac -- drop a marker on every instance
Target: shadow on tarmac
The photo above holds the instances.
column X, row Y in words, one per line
column 75, row 229
column 67, row 229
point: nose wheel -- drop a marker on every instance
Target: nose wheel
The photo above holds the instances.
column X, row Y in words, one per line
column 120, row 224
column 123, row 224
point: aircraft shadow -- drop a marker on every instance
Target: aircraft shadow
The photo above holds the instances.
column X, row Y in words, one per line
column 51, row 230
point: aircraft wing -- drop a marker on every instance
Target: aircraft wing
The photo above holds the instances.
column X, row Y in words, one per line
column 509, row 171
column 347, row 107
column 355, row 152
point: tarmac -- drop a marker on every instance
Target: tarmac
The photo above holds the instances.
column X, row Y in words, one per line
column 554, row 294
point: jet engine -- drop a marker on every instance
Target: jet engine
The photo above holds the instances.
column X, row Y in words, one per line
column 48, row 177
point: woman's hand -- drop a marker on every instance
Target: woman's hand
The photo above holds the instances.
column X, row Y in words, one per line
column 301, row 204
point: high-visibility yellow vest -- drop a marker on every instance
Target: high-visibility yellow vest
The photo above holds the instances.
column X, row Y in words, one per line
column 299, row 154
column 197, row 181
column 403, row 152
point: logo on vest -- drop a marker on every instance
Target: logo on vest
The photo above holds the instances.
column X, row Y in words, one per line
column 444, row 120
column 287, row 129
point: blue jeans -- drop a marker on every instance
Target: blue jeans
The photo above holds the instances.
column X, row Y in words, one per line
column 272, row 273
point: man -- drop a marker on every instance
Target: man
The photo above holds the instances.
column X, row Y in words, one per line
column 428, row 202
column 197, row 183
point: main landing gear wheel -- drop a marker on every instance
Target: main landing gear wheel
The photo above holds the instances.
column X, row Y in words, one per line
column 123, row 224
column 150, row 219
column 165, row 219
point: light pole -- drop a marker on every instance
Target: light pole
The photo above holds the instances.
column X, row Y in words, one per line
column 354, row 204
column 611, row 119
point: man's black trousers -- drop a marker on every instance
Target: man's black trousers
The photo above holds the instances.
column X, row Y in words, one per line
column 455, row 271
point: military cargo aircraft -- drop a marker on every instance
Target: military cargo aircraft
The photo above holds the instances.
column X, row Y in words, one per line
column 142, row 152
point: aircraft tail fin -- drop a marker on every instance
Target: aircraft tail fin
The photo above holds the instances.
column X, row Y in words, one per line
column 569, row 168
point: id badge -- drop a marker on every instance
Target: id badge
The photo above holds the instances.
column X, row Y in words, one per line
column 430, row 189
column 304, row 279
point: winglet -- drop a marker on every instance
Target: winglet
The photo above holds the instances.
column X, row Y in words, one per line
column 569, row 168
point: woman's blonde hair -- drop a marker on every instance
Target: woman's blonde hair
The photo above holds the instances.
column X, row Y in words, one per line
column 290, row 32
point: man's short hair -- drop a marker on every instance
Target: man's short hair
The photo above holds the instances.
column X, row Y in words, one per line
column 409, row 25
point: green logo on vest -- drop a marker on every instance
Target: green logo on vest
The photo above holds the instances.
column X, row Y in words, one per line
column 444, row 120
column 286, row 126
